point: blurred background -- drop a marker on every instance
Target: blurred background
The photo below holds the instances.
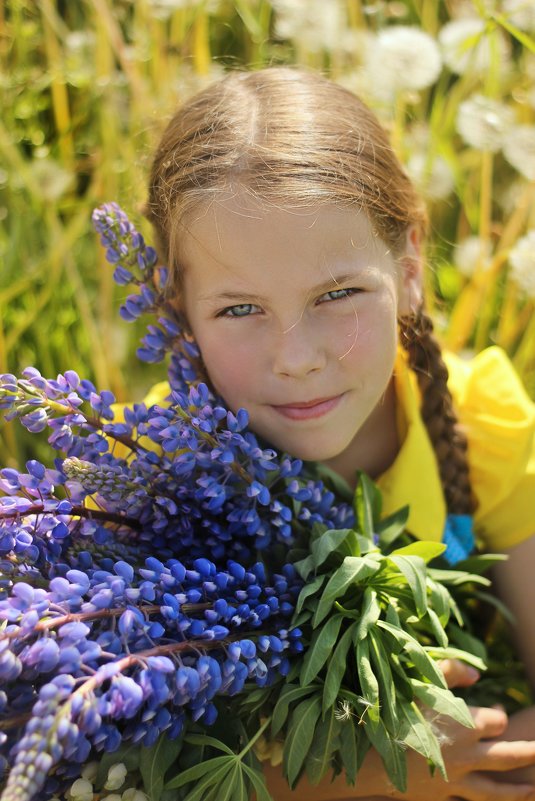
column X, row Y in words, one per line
column 88, row 86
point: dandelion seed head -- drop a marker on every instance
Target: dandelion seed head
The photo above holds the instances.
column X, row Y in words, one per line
column 403, row 58
column 470, row 254
column 519, row 150
column 432, row 176
column 316, row 25
column 465, row 46
column 521, row 13
column 344, row 711
column 484, row 123
column 522, row 261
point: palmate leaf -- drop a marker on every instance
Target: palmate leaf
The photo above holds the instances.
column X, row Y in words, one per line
column 416, row 653
column 416, row 733
column 387, row 688
column 324, row 744
column 337, row 668
column 207, row 768
column 154, row 763
column 354, row 569
column 443, row 701
column 300, row 736
column 320, row 648
column 414, row 570
column 342, row 540
column 258, row 782
column 392, row 753
column 289, row 694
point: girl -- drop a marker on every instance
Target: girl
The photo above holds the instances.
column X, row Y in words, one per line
column 293, row 239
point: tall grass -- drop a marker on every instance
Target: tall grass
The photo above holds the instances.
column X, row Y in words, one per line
column 87, row 88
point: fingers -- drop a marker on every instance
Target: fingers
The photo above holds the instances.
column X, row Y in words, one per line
column 503, row 755
column 482, row 788
column 489, row 722
column 458, row 674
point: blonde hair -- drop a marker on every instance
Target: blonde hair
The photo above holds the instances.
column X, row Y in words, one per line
column 293, row 138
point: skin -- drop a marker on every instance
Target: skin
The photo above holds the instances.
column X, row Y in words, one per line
column 294, row 306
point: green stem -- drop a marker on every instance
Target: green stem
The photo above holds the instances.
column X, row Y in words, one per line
column 253, row 740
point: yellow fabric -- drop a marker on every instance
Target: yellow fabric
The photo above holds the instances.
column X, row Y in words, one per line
column 499, row 421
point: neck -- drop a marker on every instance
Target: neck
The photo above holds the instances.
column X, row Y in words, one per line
column 375, row 446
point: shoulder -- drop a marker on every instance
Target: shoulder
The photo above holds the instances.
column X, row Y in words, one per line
column 499, row 421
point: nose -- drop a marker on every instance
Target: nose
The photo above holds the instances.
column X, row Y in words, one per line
column 298, row 351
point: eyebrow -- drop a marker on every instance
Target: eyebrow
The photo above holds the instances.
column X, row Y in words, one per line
column 318, row 289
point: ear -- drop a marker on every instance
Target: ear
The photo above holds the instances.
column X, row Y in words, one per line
column 410, row 279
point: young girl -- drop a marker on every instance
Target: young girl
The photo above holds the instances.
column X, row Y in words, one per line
column 294, row 243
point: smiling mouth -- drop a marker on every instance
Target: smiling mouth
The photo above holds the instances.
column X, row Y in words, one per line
column 308, row 410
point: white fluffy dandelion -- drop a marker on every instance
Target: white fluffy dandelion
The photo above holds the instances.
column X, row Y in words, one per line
column 484, row 123
column 522, row 261
column 433, row 177
column 520, row 13
column 466, row 46
column 402, row 58
column 519, row 150
column 317, row 25
column 471, row 254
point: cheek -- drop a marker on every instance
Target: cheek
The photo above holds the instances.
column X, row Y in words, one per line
column 231, row 365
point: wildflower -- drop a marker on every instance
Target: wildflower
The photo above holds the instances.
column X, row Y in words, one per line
column 520, row 13
column 470, row 254
column 522, row 261
column 465, row 46
column 401, row 58
column 81, row 790
column 316, row 25
column 116, row 776
column 433, row 177
column 519, row 150
column 484, row 123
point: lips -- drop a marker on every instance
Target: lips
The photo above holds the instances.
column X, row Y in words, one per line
column 308, row 410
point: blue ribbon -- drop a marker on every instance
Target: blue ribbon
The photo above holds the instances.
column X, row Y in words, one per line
column 459, row 538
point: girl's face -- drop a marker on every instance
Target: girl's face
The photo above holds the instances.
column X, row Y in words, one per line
column 295, row 313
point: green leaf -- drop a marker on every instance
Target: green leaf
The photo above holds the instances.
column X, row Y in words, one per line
column 289, row 694
column 369, row 686
column 353, row 570
column 456, row 653
column 443, row 701
column 320, row 648
column 300, row 736
column 337, row 668
column 259, row 783
column 392, row 753
column 413, row 568
column 128, row 754
column 383, row 673
column 331, row 541
column 367, row 505
column 437, row 628
column 305, row 566
column 390, row 528
column 417, row 654
column 207, row 768
column 154, row 763
column 424, row 549
column 440, row 600
column 309, row 589
column 417, row 733
column 370, row 613
column 352, row 746
column 324, row 745
column 203, row 739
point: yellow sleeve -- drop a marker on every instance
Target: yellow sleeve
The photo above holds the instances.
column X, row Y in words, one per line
column 499, row 420
column 156, row 394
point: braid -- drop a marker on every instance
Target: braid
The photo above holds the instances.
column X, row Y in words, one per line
column 449, row 442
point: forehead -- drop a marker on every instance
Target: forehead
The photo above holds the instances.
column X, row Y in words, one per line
column 240, row 232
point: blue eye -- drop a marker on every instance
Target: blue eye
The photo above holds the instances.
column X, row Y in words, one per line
column 338, row 294
column 240, row 310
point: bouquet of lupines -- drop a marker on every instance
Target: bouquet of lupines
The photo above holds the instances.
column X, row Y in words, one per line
column 173, row 592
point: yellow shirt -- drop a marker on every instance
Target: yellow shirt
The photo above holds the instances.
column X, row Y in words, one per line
column 499, row 420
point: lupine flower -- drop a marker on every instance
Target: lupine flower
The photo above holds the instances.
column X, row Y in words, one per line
column 484, row 123
column 522, row 261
